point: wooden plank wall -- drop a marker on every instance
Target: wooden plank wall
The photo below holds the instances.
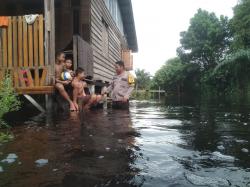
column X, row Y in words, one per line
column 63, row 25
column 64, row 22
column 104, row 64
column 22, row 52
column 84, row 55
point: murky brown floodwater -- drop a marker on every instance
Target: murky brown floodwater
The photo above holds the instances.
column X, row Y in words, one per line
column 152, row 145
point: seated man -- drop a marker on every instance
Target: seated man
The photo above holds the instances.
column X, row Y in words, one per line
column 121, row 87
column 61, row 84
column 80, row 99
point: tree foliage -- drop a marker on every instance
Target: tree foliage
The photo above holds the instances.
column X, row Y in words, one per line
column 175, row 75
column 240, row 25
column 233, row 70
column 143, row 79
column 206, row 40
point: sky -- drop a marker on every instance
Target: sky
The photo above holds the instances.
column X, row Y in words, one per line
column 159, row 23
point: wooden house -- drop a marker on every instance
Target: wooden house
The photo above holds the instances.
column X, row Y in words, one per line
column 95, row 33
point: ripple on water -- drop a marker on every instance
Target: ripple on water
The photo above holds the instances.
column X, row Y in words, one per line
column 206, row 181
column 219, row 156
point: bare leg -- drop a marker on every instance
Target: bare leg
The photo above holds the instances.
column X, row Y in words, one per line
column 65, row 95
column 94, row 99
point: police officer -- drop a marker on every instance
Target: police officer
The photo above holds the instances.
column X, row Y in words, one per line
column 121, row 87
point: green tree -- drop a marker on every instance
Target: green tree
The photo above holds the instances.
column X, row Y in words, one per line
column 206, row 40
column 240, row 25
column 143, row 80
column 177, row 76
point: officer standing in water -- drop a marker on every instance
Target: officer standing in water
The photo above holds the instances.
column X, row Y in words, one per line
column 121, row 87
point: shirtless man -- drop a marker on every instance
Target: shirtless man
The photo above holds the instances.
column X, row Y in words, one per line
column 60, row 84
column 79, row 96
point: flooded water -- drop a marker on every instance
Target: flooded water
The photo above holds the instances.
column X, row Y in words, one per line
column 153, row 144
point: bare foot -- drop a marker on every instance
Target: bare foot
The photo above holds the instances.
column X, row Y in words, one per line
column 72, row 107
column 76, row 106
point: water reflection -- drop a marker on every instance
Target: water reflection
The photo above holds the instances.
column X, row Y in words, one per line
column 91, row 149
column 172, row 143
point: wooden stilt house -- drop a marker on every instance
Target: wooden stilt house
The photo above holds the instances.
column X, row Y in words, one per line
column 95, row 33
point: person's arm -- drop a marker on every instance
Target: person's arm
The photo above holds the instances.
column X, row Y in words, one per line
column 128, row 93
column 110, row 87
column 62, row 82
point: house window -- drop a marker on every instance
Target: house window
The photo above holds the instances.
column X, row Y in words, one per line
column 105, row 38
column 114, row 9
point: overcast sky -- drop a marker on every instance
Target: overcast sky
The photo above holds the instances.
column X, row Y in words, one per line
column 159, row 22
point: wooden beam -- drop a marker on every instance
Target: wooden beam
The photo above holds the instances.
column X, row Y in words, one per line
column 35, row 90
column 20, row 41
column 75, row 51
column 10, row 49
column 52, row 41
column 30, row 99
column 49, row 12
column 46, row 33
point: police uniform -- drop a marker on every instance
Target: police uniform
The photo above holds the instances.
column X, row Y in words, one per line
column 121, row 86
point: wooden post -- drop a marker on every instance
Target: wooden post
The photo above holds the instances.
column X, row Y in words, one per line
column 52, row 40
column 49, row 44
column 49, row 14
column 159, row 93
column 75, row 51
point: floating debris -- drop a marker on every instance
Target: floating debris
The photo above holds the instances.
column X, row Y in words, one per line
column 101, row 157
column 1, row 169
column 107, row 149
column 221, row 147
column 120, row 140
column 90, row 135
column 206, row 181
column 55, row 170
column 41, row 162
column 11, row 158
column 244, row 150
column 245, row 124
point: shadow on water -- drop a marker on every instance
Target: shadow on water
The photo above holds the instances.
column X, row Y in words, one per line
column 176, row 142
column 91, row 149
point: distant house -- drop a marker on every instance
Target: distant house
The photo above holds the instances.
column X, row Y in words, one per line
column 95, row 33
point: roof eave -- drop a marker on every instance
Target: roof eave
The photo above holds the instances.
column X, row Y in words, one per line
column 129, row 24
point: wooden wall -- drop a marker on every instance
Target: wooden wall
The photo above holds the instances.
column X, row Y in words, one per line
column 97, row 27
column 103, row 62
column 65, row 22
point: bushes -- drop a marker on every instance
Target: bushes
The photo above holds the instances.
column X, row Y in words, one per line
column 8, row 99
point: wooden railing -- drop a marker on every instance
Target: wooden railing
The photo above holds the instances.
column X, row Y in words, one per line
column 22, row 54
